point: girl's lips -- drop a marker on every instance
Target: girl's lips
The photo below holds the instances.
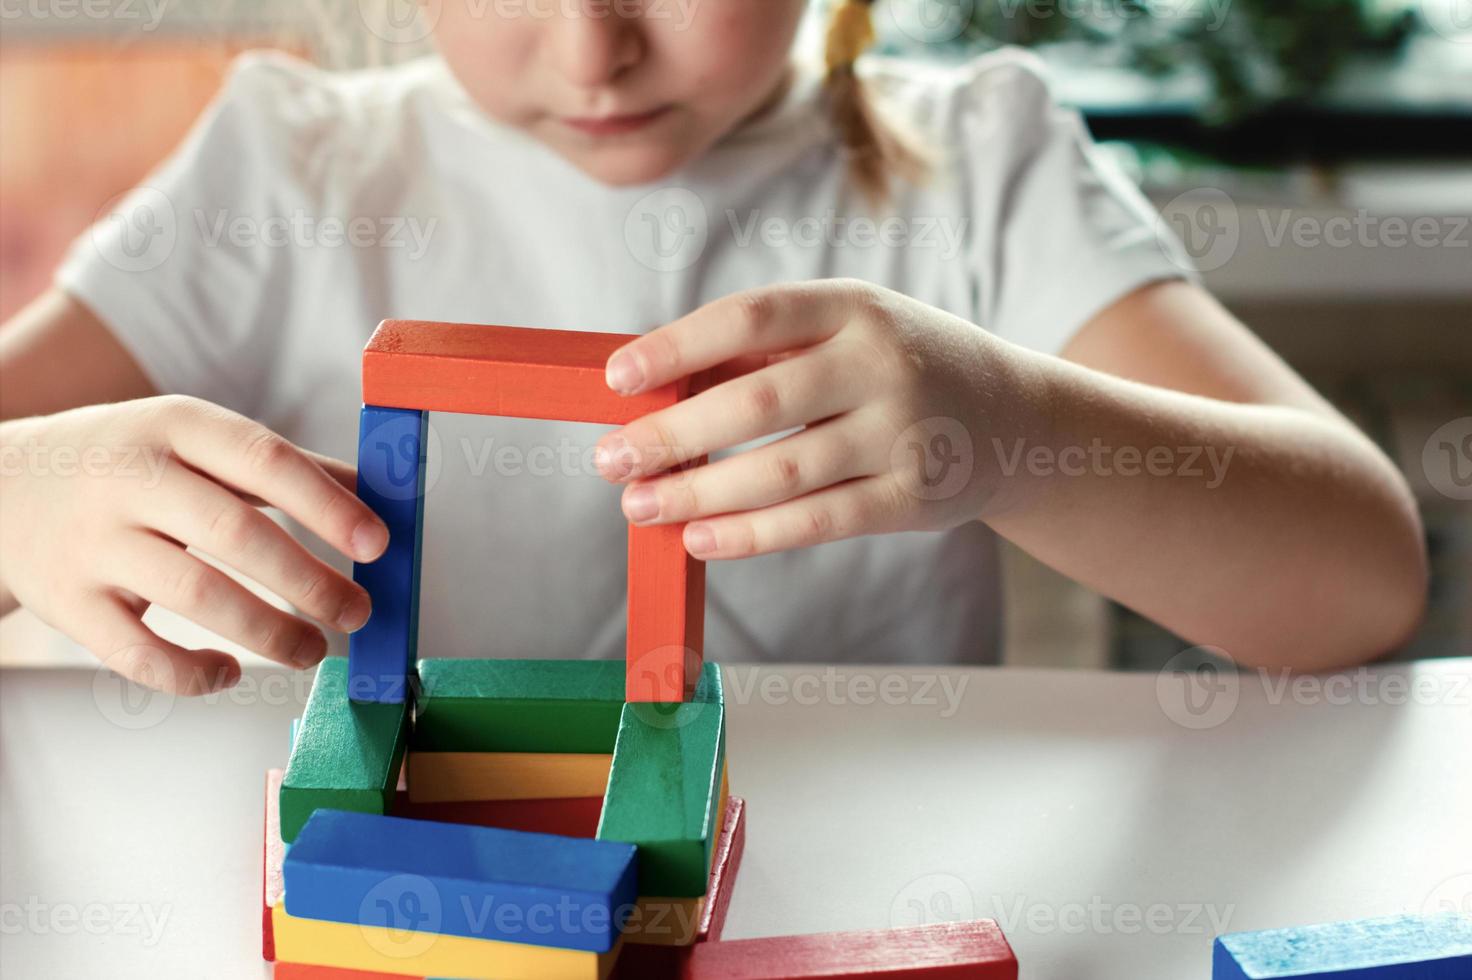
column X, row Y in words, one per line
column 614, row 125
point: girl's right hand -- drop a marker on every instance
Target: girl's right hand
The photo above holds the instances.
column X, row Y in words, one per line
column 100, row 504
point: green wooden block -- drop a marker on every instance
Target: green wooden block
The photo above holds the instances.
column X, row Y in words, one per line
column 347, row 754
column 518, row 705
column 664, row 788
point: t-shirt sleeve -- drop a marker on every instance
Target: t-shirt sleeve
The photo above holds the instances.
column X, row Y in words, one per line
column 181, row 268
column 1064, row 232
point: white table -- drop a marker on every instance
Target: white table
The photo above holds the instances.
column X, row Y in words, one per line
column 1103, row 834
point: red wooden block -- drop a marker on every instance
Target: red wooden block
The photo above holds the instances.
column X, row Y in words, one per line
column 973, row 950
column 729, row 848
column 301, row 971
column 273, row 853
column 519, row 372
column 666, row 627
column 574, row 817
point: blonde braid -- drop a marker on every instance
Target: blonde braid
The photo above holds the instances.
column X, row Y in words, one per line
column 876, row 151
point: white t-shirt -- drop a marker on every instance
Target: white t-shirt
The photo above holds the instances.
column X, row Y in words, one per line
column 309, row 205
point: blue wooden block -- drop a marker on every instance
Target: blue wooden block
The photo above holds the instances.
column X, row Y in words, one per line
column 1400, row 947
column 461, row 880
column 392, row 444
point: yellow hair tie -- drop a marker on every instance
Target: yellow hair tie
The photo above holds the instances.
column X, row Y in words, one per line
column 851, row 33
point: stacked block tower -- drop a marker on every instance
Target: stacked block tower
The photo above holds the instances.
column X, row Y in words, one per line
column 523, row 819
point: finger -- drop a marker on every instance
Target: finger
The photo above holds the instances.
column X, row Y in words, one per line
column 165, row 574
column 117, row 636
column 760, row 321
column 250, row 457
column 794, row 466
column 818, row 385
column 869, row 505
column 220, row 524
column 346, row 474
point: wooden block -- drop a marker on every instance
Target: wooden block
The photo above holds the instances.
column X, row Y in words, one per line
column 404, row 952
column 666, row 627
column 724, row 866
column 518, row 705
column 1399, row 947
column 971, row 950
column 652, row 962
column 273, row 852
column 665, row 786
column 517, row 372
column 392, row 445
column 572, row 817
column 303, row 971
column 456, row 880
column 347, row 754
column 452, row 777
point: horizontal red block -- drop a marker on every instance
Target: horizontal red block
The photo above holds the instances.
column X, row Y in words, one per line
column 972, row 950
column 519, row 372
column 301, row 971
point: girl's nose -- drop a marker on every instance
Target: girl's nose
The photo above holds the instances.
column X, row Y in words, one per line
column 593, row 44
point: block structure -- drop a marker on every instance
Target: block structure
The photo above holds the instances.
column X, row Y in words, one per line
column 347, row 754
column 1399, row 947
column 414, row 367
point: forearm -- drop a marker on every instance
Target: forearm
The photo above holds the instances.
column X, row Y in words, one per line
column 1279, row 534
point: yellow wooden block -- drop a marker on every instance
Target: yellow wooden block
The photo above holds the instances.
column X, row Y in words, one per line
column 421, row 954
column 455, row 777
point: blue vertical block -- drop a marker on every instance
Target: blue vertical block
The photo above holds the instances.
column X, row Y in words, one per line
column 1399, row 947
column 392, row 443
column 460, row 880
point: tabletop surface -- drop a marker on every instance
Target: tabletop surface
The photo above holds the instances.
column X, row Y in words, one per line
column 1112, row 823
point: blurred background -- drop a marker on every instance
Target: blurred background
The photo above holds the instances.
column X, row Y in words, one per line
column 1314, row 155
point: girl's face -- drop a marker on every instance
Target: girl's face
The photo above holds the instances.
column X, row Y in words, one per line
column 626, row 90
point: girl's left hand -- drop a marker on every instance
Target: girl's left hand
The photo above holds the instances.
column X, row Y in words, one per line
column 889, row 395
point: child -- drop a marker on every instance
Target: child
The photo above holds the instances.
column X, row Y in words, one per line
column 982, row 335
